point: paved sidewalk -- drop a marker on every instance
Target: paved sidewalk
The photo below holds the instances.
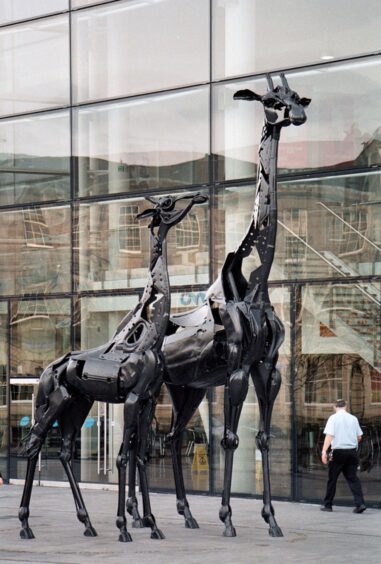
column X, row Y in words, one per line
column 309, row 534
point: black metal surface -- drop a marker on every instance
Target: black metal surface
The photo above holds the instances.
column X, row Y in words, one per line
column 236, row 334
column 127, row 369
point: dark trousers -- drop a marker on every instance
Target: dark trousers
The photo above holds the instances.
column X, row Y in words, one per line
column 345, row 461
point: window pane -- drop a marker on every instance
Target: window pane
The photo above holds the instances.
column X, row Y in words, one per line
column 141, row 46
column 3, row 387
column 247, row 470
column 26, row 49
column 342, row 129
column 347, row 206
column 339, row 355
column 40, row 333
column 35, row 250
column 35, row 158
column 249, row 35
column 158, row 141
column 13, row 10
column 114, row 247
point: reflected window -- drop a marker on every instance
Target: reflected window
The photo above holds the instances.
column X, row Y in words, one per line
column 14, row 10
column 102, row 36
column 36, row 230
column 323, row 380
column 375, row 376
column 241, row 43
column 156, row 141
column 35, row 250
column 188, row 232
column 40, row 333
column 129, row 230
column 27, row 48
column 35, row 158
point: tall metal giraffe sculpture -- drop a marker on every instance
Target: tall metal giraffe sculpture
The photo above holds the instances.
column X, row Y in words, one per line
column 236, row 334
column 128, row 369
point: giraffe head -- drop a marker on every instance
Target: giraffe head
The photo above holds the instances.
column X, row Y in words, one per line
column 282, row 105
column 164, row 212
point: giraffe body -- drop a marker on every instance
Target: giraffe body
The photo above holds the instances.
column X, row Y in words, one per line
column 235, row 334
column 127, row 369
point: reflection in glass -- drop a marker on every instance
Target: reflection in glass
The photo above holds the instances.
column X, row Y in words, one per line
column 13, row 10
column 35, row 158
column 35, row 250
column 247, row 469
column 25, row 49
column 348, row 208
column 339, row 355
column 3, row 388
column 40, row 333
column 341, row 132
column 158, row 44
column 114, row 247
column 157, row 141
column 242, row 43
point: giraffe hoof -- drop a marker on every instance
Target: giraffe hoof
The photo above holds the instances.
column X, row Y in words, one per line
column 157, row 534
column 229, row 532
column 275, row 531
column 27, row 533
column 191, row 523
column 125, row 537
column 90, row 532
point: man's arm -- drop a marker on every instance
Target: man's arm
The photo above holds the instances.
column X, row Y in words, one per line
column 327, row 441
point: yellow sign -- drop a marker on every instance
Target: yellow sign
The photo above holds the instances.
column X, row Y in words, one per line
column 200, row 459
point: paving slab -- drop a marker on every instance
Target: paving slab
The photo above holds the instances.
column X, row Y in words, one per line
column 310, row 536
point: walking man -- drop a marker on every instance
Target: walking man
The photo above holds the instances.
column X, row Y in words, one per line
column 342, row 433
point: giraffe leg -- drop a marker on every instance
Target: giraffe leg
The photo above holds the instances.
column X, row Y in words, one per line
column 132, row 502
column 272, row 379
column 145, row 420
column 185, row 402
column 71, row 422
column 46, row 414
column 235, row 393
column 26, row 532
column 132, row 408
column 267, row 381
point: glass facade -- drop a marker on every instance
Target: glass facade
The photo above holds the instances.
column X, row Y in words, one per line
column 105, row 103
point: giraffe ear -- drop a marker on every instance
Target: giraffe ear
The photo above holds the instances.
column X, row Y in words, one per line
column 246, row 95
column 305, row 101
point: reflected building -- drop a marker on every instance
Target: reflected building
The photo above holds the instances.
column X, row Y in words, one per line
column 136, row 99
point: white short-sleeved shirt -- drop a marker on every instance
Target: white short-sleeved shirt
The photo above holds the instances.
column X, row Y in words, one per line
column 345, row 429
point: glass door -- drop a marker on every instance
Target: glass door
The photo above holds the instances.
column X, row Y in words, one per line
column 100, row 440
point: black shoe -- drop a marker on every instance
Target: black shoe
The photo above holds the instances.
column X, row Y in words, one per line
column 359, row 509
column 325, row 508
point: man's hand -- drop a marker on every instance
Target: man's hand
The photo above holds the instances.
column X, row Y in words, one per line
column 324, row 457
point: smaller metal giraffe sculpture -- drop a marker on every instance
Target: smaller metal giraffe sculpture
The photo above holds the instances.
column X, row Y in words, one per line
column 127, row 369
column 236, row 333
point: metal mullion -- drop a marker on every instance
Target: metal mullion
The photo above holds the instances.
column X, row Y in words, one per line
column 8, row 389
